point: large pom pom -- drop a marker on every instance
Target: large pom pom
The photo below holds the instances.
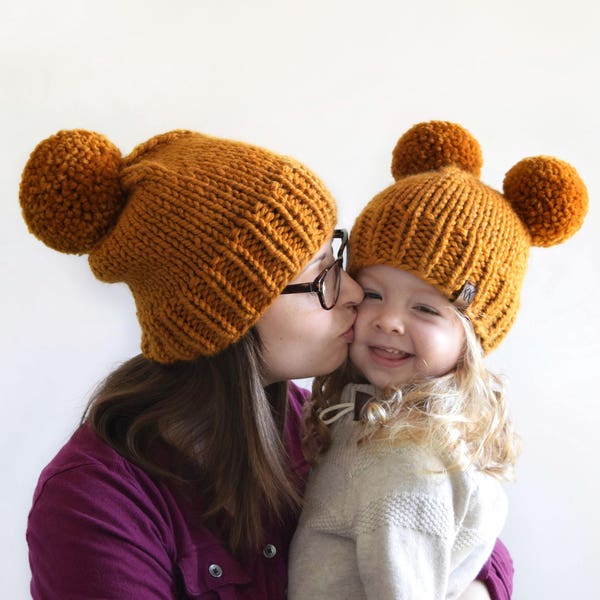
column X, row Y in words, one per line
column 433, row 145
column 70, row 193
column 549, row 197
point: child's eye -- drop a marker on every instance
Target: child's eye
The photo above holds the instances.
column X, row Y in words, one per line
column 372, row 295
column 426, row 309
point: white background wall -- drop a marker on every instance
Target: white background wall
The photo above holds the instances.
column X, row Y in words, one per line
column 333, row 83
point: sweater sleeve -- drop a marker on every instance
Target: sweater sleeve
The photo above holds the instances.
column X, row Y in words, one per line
column 94, row 533
column 497, row 573
column 423, row 536
column 402, row 563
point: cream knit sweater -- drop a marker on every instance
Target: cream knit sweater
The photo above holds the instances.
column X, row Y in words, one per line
column 377, row 523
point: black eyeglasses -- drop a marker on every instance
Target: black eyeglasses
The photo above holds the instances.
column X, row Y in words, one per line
column 328, row 281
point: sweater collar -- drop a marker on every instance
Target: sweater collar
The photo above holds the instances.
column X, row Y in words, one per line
column 354, row 398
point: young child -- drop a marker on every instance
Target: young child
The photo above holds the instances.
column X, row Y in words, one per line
column 413, row 437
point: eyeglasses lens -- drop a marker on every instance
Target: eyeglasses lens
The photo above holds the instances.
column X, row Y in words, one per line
column 339, row 249
column 331, row 285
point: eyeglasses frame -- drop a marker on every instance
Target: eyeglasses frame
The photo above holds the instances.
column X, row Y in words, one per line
column 316, row 285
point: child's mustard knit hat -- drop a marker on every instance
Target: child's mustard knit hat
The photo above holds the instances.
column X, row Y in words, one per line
column 206, row 232
column 440, row 222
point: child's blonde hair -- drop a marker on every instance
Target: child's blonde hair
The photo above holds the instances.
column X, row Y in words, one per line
column 439, row 221
column 462, row 416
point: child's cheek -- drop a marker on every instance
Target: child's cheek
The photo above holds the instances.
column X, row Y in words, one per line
column 361, row 323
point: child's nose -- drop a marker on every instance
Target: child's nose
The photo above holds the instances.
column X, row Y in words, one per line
column 390, row 322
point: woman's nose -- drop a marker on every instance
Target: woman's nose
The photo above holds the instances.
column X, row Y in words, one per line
column 351, row 293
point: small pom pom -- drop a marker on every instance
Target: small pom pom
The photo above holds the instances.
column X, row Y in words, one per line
column 549, row 197
column 70, row 193
column 433, row 145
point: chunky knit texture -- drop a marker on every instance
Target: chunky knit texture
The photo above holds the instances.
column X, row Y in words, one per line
column 440, row 222
column 386, row 521
column 205, row 231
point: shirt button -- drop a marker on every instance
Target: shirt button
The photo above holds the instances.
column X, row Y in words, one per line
column 215, row 570
column 269, row 551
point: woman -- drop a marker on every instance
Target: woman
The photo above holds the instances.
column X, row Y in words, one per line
column 183, row 480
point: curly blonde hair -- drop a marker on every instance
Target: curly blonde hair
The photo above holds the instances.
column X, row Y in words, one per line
column 462, row 416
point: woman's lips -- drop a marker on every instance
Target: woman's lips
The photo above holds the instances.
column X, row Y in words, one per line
column 348, row 336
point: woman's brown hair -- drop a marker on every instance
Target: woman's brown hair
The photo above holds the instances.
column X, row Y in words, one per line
column 211, row 427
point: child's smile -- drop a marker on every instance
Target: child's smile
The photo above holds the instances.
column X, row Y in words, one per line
column 389, row 357
column 405, row 329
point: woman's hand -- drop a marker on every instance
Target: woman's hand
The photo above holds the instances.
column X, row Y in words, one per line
column 475, row 591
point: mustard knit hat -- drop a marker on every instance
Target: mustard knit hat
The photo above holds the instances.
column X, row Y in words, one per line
column 440, row 222
column 206, row 232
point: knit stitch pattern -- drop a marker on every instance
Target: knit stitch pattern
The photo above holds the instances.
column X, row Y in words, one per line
column 416, row 511
column 440, row 222
column 205, row 231
column 382, row 520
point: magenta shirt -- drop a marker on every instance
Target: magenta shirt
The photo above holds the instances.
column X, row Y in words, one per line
column 101, row 528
